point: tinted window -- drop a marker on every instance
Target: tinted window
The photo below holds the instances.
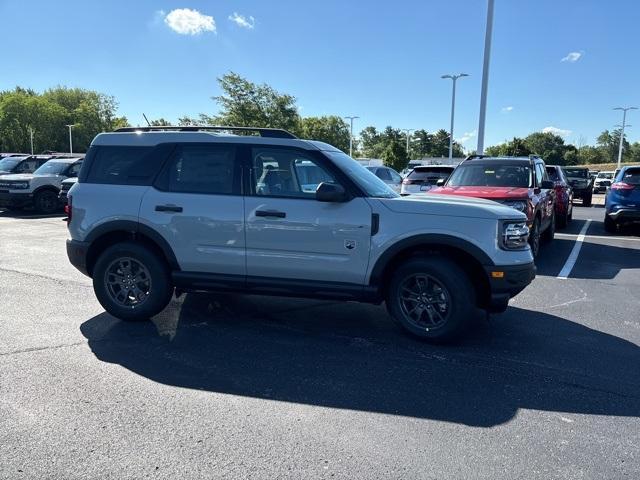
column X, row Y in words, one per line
column 430, row 176
column 395, row 176
column 491, row 175
column 553, row 174
column 286, row 173
column 383, row 174
column 631, row 176
column 208, row 169
column 576, row 173
column 74, row 169
column 123, row 166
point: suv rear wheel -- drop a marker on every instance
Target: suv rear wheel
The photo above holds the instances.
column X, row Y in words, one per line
column 431, row 297
column 131, row 282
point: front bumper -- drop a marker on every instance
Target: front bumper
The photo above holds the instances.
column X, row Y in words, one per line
column 506, row 281
column 15, row 199
column 77, row 253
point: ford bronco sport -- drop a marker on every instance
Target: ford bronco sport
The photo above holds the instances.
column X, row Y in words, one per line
column 199, row 208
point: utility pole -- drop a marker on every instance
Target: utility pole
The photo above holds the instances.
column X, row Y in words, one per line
column 70, row 139
column 351, row 119
column 453, row 109
column 31, row 135
column 407, row 131
column 624, row 124
column 485, row 77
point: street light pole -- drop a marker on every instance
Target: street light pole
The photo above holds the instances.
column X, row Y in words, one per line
column 70, row 140
column 624, row 124
column 351, row 119
column 31, row 135
column 453, row 108
column 407, row 131
column 485, row 77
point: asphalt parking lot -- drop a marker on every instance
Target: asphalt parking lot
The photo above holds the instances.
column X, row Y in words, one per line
column 230, row 386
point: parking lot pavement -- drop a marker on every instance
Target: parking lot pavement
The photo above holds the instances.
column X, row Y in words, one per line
column 257, row 387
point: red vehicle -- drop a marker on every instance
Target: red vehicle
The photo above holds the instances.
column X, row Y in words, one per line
column 564, row 195
column 519, row 182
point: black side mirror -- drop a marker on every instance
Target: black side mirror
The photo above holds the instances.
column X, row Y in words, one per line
column 330, row 192
column 547, row 184
column 440, row 182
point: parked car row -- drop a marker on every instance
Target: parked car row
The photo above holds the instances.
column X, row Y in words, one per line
column 36, row 180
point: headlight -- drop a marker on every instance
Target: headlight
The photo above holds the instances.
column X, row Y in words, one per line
column 519, row 205
column 514, row 235
column 15, row 185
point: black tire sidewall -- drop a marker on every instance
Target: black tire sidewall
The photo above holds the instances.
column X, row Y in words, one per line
column 458, row 286
column 536, row 228
column 161, row 287
column 37, row 201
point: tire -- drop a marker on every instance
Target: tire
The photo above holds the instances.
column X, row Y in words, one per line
column 550, row 232
column 534, row 237
column 154, row 284
column 610, row 225
column 441, row 280
column 563, row 219
column 46, row 201
column 586, row 200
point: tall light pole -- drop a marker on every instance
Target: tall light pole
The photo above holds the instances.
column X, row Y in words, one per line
column 407, row 131
column 485, row 77
column 351, row 119
column 31, row 135
column 70, row 140
column 453, row 108
column 624, row 124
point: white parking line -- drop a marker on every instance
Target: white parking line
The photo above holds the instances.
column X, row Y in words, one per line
column 573, row 256
column 598, row 237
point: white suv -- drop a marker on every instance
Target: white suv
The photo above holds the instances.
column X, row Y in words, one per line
column 196, row 208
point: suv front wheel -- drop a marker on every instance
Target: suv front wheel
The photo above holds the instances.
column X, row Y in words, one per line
column 431, row 297
column 131, row 282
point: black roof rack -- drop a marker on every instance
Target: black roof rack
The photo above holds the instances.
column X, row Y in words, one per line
column 263, row 132
column 471, row 157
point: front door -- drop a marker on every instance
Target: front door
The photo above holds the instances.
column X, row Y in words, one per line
column 291, row 235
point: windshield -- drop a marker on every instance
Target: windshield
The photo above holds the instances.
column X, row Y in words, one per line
column 608, row 175
column 491, row 175
column 367, row 181
column 52, row 168
column 430, row 175
column 577, row 173
column 7, row 164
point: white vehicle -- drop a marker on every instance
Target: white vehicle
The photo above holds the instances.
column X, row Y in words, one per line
column 158, row 209
column 603, row 181
column 423, row 178
column 388, row 176
column 38, row 189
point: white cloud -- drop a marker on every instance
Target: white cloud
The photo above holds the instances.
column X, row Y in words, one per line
column 467, row 136
column 189, row 22
column 506, row 109
column 557, row 131
column 572, row 57
column 242, row 21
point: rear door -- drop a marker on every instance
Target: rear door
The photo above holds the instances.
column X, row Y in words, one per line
column 291, row 235
column 196, row 205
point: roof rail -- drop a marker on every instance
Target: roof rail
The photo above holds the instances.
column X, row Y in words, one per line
column 263, row 132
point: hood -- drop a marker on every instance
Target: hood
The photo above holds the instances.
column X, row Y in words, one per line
column 501, row 193
column 18, row 176
column 449, row 205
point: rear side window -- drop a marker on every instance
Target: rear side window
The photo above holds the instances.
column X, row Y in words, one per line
column 123, row 166
column 631, row 176
column 210, row 169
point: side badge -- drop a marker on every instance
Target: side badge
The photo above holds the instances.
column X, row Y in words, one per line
column 349, row 244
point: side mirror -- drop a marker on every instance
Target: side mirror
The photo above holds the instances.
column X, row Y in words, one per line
column 330, row 192
column 440, row 182
column 547, row 184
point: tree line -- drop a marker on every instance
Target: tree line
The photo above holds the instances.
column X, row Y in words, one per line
column 245, row 103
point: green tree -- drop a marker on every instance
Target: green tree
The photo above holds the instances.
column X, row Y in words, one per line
column 609, row 142
column 549, row 146
column 516, row 147
column 395, row 155
column 246, row 104
column 330, row 129
column 588, row 155
column 160, row 122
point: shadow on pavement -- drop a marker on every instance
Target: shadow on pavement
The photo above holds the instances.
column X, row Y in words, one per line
column 351, row 356
column 29, row 214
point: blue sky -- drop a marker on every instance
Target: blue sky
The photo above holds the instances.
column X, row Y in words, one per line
column 376, row 59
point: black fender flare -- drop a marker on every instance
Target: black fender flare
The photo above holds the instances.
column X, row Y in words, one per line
column 426, row 240
column 135, row 228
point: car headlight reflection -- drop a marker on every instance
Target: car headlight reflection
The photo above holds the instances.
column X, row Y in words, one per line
column 514, row 235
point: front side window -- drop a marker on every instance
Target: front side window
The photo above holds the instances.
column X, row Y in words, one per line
column 74, row 170
column 539, row 174
column 491, row 175
column 281, row 172
column 210, row 169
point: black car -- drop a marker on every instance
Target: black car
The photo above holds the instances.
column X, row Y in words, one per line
column 581, row 183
